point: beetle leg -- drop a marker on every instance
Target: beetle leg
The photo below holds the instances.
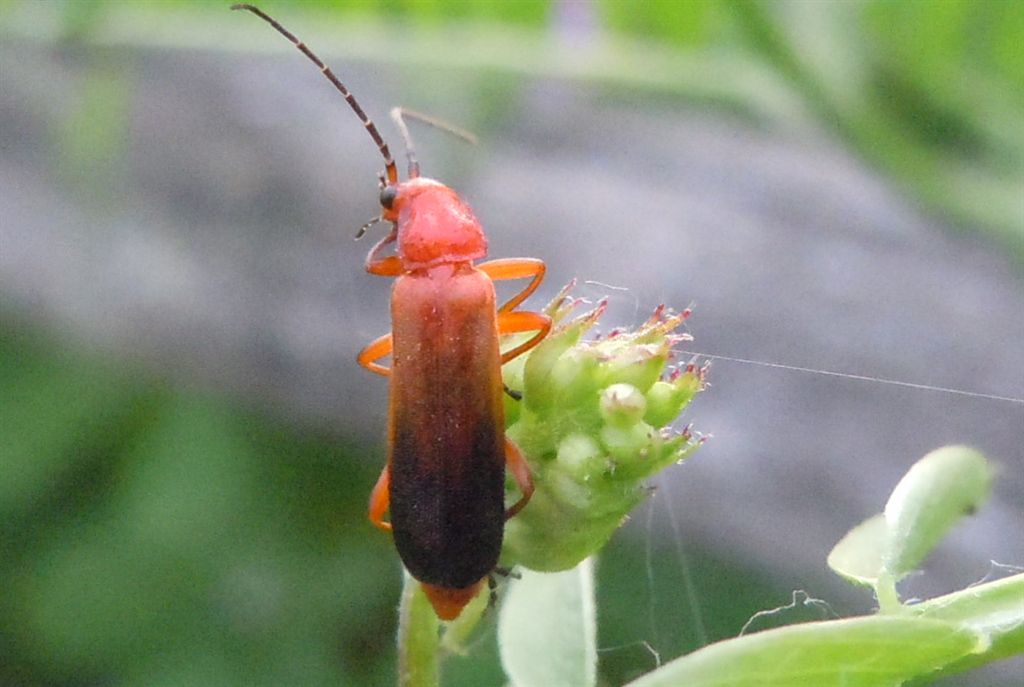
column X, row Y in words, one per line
column 515, row 268
column 513, row 393
column 492, row 588
column 387, row 266
column 380, row 499
column 522, row 321
column 374, row 351
column 521, row 473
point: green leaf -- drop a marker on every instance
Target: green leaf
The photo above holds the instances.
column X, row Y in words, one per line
column 995, row 609
column 547, row 630
column 939, row 489
column 858, row 555
column 875, row 651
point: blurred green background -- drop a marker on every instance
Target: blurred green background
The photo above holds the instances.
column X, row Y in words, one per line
column 178, row 510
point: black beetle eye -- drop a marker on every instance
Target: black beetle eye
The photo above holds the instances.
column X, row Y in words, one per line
column 387, row 196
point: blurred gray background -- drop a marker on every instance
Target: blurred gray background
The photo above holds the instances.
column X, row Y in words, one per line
column 188, row 209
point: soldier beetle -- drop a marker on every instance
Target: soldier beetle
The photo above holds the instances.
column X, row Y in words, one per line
column 447, row 450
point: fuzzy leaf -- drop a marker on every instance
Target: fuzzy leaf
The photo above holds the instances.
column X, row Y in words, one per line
column 547, row 631
column 858, row 555
column 938, row 490
column 877, row 651
column 995, row 609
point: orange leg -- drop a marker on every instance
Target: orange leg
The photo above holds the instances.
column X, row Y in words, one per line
column 380, row 499
column 522, row 321
column 515, row 268
column 374, row 351
column 388, row 266
column 521, row 473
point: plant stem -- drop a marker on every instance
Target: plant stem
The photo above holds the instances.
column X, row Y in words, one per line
column 888, row 598
column 417, row 638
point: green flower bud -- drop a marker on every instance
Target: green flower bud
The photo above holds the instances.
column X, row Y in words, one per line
column 593, row 423
column 639, row 365
column 627, row 443
column 667, row 398
column 622, row 405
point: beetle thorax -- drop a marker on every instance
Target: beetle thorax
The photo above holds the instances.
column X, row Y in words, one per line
column 435, row 226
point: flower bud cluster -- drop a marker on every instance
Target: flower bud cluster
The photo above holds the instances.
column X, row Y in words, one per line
column 593, row 423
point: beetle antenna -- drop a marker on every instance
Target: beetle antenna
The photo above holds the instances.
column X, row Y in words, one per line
column 398, row 114
column 410, row 152
column 438, row 123
column 362, row 229
column 389, row 162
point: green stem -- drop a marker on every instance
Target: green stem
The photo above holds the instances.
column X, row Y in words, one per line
column 888, row 597
column 417, row 638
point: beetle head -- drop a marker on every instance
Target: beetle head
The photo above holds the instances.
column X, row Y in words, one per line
column 435, row 226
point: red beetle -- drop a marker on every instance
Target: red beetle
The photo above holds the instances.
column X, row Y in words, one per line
column 445, row 475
